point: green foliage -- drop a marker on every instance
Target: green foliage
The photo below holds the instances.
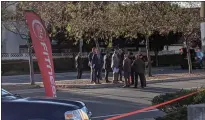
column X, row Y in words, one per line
column 178, row 110
column 114, row 18
column 105, row 20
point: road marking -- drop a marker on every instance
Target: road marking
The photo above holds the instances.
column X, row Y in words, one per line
column 104, row 116
column 87, row 101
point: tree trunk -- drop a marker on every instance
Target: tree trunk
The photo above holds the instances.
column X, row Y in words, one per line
column 189, row 57
column 156, row 58
column 31, row 66
column 97, row 44
column 189, row 60
column 148, row 57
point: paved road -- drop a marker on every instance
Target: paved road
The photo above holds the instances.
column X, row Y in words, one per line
column 111, row 101
column 72, row 75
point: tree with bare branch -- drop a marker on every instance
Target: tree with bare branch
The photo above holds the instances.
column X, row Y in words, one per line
column 15, row 23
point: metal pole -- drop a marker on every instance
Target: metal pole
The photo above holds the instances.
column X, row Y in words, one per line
column 31, row 65
column 202, row 14
column 202, row 11
column 81, row 45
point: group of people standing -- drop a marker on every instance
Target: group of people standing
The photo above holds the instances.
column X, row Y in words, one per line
column 132, row 67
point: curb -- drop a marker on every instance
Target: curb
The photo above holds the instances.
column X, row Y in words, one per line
column 110, row 85
column 174, row 80
column 91, row 86
column 88, row 86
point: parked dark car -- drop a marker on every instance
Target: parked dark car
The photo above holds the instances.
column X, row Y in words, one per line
column 194, row 57
column 14, row 107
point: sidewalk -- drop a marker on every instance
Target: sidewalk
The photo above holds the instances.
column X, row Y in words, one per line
column 85, row 83
column 85, row 75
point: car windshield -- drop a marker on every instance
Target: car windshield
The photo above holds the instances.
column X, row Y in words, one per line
column 5, row 93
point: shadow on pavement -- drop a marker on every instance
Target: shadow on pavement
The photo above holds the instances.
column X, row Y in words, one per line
column 159, row 90
column 175, row 80
column 105, row 107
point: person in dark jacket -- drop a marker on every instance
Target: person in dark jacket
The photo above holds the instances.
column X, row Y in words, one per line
column 90, row 57
column 132, row 58
column 101, row 67
column 127, row 70
column 139, row 69
column 97, row 64
column 107, row 65
column 121, row 58
column 79, row 65
column 145, row 60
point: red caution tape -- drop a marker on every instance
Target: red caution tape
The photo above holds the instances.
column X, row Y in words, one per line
column 154, row 106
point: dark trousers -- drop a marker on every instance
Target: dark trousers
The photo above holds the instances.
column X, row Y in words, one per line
column 142, row 79
column 97, row 75
column 127, row 77
column 92, row 74
column 100, row 74
column 106, row 74
column 79, row 73
column 120, row 74
column 132, row 76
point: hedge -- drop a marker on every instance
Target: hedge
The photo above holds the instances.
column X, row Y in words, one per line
column 68, row 64
column 178, row 110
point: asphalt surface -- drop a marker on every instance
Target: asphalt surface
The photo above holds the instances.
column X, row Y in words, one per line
column 72, row 75
column 108, row 102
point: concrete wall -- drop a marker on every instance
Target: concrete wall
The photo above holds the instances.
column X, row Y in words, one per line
column 196, row 112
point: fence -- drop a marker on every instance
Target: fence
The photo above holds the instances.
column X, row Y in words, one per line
column 25, row 56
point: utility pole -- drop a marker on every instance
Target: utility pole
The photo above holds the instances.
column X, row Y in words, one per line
column 202, row 14
column 81, row 45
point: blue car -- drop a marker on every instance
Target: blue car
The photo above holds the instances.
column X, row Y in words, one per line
column 14, row 107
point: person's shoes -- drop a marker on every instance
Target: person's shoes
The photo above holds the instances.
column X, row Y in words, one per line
column 125, row 86
column 115, row 82
column 135, row 87
column 98, row 82
column 142, row 86
column 132, row 84
column 107, row 81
